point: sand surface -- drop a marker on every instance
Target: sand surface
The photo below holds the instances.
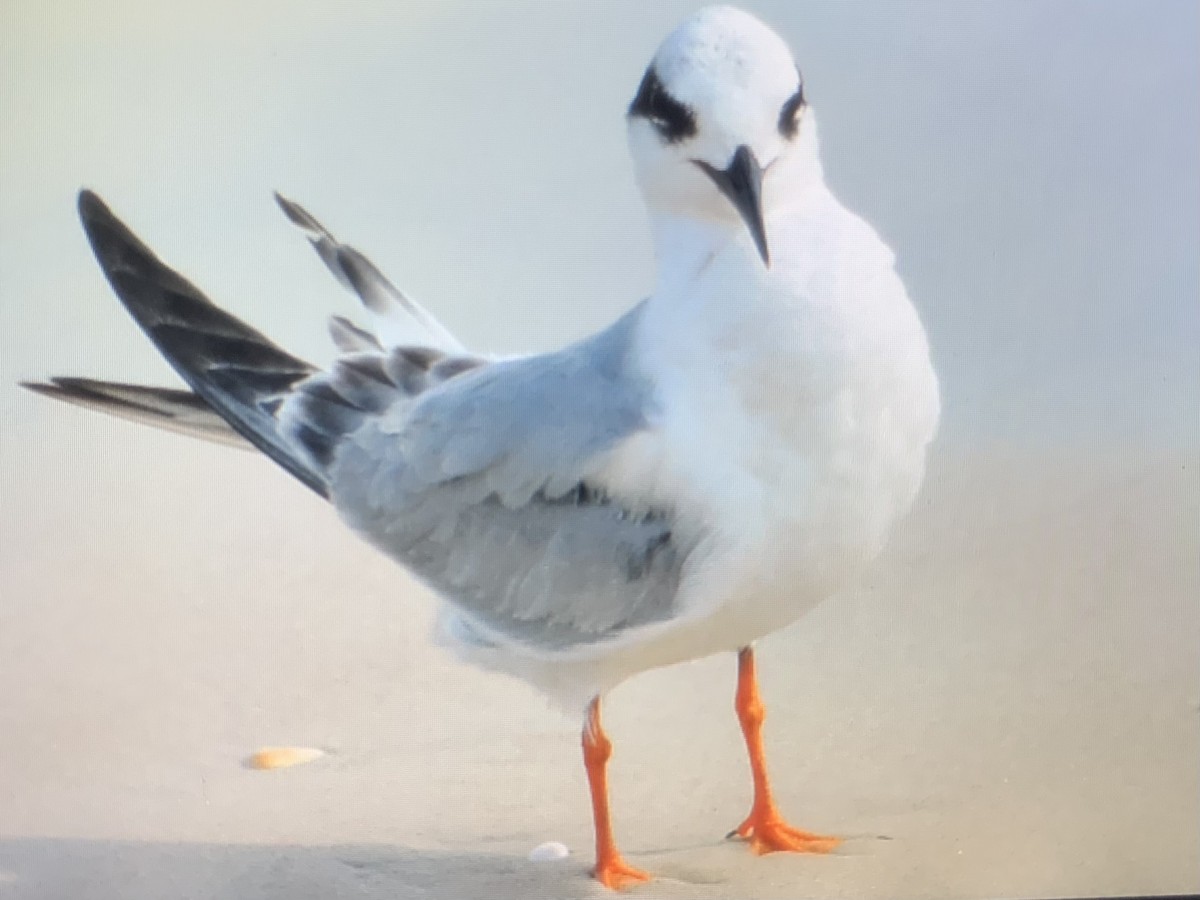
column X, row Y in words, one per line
column 1007, row 706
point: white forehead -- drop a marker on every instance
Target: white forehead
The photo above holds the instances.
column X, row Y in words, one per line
column 722, row 55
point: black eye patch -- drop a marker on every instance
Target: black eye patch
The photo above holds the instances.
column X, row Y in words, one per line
column 672, row 119
column 789, row 113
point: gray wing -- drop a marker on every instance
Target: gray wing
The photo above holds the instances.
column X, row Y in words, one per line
column 485, row 487
column 480, row 477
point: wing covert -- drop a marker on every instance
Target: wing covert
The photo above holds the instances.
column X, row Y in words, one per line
column 486, row 488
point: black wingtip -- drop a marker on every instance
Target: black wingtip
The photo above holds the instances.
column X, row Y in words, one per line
column 40, row 387
column 296, row 213
column 201, row 341
column 285, row 204
column 65, row 388
column 94, row 214
column 113, row 243
column 91, row 207
column 72, row 384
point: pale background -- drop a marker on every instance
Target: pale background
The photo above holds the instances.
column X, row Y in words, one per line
column 1013, row 693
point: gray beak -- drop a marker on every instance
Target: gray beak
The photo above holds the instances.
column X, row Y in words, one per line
column 742, row 184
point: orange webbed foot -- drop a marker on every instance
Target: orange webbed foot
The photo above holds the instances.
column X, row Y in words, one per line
column 771, row 834
column 765, row 828
column 617, row 875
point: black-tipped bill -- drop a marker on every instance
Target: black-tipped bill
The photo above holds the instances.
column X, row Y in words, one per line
column 741, row 182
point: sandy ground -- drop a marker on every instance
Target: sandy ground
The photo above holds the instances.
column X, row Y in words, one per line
column 1008, row 705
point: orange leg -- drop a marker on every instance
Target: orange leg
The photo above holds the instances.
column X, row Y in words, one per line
column 611, row 870
column 765, row 828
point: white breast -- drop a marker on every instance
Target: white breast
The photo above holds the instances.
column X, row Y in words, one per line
column 794, row 417
column 793, row 409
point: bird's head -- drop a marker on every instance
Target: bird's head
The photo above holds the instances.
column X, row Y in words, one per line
column 718, row 128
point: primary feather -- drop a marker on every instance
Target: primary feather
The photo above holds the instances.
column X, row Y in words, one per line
column 482, row 477
column 167, row 408
column 399, row 320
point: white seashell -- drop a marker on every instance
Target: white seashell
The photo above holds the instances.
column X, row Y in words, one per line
column 549, row 852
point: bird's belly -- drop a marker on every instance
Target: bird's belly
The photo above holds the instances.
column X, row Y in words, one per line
column 807, row 545
column 813, row 522
column 791, row 439
column 812, row 488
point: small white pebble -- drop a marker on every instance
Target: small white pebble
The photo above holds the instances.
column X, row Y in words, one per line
column 549, row 852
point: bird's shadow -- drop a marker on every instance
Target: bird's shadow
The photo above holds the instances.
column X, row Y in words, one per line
column 32, row 867
column 133, row 870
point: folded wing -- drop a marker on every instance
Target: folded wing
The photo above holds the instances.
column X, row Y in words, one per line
column 483, row 478
column 490, row 488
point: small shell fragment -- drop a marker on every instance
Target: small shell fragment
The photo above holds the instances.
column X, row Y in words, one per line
column 549, row 852
column 282, row 757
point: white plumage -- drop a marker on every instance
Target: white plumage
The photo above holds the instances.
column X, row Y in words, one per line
column 794, row 403
column 729, row 453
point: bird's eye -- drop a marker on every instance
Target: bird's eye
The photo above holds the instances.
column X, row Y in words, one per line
column 790, row 112
column 671, row 119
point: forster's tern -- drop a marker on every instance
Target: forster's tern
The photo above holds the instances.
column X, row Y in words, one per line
column 730, row 452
